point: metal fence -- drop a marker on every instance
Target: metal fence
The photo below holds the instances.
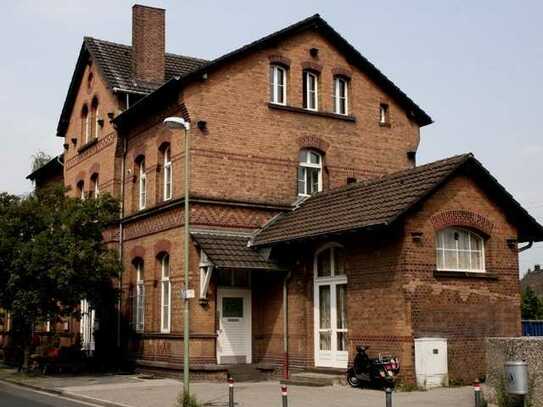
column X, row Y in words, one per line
column 532, row 328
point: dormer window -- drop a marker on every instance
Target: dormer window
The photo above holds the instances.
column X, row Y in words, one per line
column 310, row 85
column 309, row 173
column 340, row 96
column 278, row 81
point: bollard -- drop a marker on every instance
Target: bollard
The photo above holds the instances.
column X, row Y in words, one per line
column 284, row 395
column 388, row 397
column 477, row 391
column 230, row 392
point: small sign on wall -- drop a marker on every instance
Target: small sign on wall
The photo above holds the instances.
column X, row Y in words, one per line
column 187, row 294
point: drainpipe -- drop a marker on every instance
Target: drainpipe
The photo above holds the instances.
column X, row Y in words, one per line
column 528, row 246
column 121, row 242
column 285, row 325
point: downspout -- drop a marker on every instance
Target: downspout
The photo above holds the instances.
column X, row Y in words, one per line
column 121, row 241
column 285, row 325
column 528, row 246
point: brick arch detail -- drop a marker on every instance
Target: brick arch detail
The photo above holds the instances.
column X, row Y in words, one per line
column 314, row 142
column 80, row 177
column 94, row 169
column 462, row 218
column 138, row 151
column 340, row 71
column 311, row 66
column 137, row 252
column 280, row 60
column 164, row 138
column 162, row 246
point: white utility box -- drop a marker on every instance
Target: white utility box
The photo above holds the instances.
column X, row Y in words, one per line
column 431, row 362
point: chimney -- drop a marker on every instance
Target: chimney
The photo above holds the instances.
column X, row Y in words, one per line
column 537, row 267
column 148, row 43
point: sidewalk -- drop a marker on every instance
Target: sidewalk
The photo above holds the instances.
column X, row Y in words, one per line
column 136, row 392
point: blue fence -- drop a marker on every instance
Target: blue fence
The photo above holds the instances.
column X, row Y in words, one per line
column 532, row 328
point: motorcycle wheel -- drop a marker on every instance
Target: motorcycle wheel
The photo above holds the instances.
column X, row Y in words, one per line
column 353, row 380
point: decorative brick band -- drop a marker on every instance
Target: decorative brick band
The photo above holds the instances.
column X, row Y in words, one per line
column 313, row 142
column 462, row 218
column 280, row 60
column 101, row 144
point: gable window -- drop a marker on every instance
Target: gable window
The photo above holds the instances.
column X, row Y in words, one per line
column 95, row 189
column 460, row 250
column 165, row 297
column 341, row 105
column 167, row 173
column 309, row 172
column 140, row 297
column 384, row 118
column 142, row 196
column 311, row 84
column 94, row 125
column 85, row 124
column 278, row 81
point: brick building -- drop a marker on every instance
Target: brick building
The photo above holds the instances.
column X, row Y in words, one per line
column 313, row 230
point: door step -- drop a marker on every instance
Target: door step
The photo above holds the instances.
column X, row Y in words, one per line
column 312, row 379
column 250, row 373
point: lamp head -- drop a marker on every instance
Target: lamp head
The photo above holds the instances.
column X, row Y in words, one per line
column 176, row 123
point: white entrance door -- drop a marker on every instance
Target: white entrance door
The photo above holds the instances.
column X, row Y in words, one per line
column 234, row 334
column 330, row 308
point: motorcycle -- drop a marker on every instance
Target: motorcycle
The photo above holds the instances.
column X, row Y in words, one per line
column 379, row 372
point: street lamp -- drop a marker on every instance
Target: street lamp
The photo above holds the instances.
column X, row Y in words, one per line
column 180, row 123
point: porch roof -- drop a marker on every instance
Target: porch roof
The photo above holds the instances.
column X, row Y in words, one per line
column 381, row 201
column 229, row 250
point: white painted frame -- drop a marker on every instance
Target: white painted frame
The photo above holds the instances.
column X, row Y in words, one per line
column 334, row 358
column 246, row 293
column 168, row 174
column 165, row 280
column 311, row 93
column 338, row 82
column 140, row 297
column 308, row 164
column 470, row 233
column 142, row 197
column 275, row 85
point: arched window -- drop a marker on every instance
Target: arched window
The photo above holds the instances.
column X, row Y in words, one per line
column 139, row 313
column 85, row 124
column 166, row 294
column 309, row 172
column 142, row 183
column 95, row 189
column 341, row 95
column 278, row 84
column 94, row 119
column 460, row 250
column 167, row 173
column 311, row 90
column 81, row 190
column 330, row 285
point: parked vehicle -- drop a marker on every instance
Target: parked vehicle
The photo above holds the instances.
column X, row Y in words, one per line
column 378, row 372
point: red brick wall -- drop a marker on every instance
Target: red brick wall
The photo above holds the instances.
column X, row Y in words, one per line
column 463, row 310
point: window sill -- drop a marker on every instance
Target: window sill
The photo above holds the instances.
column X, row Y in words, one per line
column 295, row 109
column 465, row 274
column 88, row 145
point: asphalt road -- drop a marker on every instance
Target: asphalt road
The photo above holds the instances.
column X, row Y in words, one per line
column 16, row 396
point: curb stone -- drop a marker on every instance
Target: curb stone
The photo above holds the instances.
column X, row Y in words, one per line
column 73, row 396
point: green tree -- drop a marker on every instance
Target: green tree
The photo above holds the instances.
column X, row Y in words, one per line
column 532, row 305
column 52, row 256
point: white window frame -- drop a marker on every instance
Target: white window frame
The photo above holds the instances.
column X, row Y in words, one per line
column 142, row 196
column 338, row 99
column 140, row 298
column 440, row 247
column 81, row 188
column 168, row 174
column 276, row 90
column 308, row 164
column 165, row 302
column 96, row 124
column 87, row 127
column 384, row 113
column 311, row 93
column 96, row 188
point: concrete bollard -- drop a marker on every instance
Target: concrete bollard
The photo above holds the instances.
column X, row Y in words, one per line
column 477, row 392
column 284, row 395
column 388, row 397
column 230, row 392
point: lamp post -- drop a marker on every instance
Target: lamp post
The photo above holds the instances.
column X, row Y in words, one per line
column 180, row 123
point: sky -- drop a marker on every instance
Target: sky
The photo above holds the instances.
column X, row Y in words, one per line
column 475, row 66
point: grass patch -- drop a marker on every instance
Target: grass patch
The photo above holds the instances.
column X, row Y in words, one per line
column 187, row 400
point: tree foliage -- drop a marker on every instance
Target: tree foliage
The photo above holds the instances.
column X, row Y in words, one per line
column 532, row 305
column 52, row 254
column 39, row 160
